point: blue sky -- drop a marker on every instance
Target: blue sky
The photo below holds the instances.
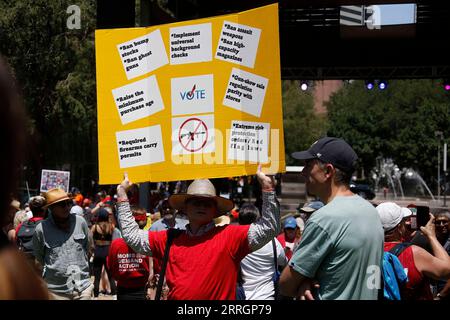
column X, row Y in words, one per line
column 397, row 14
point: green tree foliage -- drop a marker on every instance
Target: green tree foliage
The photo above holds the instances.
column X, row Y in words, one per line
column 301, row 125
column 55, row 68
column 399, row 122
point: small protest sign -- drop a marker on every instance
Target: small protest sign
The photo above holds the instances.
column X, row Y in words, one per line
column 51, row 179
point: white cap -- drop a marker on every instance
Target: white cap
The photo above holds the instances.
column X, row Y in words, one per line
column 406, row 212
column 300, row 223
column 391, row 214
column 77, row 210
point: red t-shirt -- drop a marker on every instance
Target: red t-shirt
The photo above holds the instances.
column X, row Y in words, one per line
column 418, row 286
column 129, row 268
column 203, row 267
column 288, row 250
column 157, row 264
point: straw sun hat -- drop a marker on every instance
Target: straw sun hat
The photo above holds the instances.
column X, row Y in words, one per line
column 201, row 189
column 53, row 196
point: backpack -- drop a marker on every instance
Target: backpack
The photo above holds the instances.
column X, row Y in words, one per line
column 25, row 236
column 393, row 275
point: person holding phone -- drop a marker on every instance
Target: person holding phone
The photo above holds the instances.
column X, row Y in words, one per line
column 420, row 265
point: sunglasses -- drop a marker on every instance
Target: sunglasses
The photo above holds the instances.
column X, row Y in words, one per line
column 62, row 204
column 441, row 222
column 201, row 202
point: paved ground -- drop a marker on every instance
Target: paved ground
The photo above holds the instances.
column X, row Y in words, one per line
column 102, row 296
column 105, row 297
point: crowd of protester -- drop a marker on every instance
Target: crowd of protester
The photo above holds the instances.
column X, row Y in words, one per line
column 193, row 242
column 77, row 246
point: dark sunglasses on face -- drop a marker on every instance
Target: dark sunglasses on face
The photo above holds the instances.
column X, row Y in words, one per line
column 441, row 222
column 62, row 204
column 201, row 202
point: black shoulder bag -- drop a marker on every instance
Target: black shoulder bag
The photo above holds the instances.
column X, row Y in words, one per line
column 172, row 233
column 276, row 276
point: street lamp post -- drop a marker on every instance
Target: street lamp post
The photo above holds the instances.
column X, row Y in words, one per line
column 445, row 174
column 439, row 170
column 439, row 135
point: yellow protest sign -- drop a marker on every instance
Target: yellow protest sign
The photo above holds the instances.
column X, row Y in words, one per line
column 188, row 100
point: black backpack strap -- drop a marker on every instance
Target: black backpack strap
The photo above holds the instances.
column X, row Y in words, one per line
column 399, row 248
column 275, row 260
column 239, row 278
column 171, row 235
column 276, row 275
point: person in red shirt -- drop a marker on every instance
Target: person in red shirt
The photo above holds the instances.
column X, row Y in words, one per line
column 204, row 260
column 418, row 263
column 128, row 268
column 289, row 237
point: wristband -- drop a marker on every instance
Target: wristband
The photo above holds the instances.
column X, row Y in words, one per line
column 122, row 200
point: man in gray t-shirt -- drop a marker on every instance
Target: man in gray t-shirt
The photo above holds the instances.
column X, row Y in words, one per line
column 61, row 245
column 342, row 245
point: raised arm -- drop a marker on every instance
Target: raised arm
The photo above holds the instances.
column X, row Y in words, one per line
column 268, row 227
column 97, row 207
column 136, row 238
column 436, row 266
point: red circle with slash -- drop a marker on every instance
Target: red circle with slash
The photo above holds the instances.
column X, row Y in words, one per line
column 191, row 135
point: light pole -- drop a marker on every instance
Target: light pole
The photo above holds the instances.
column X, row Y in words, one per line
column 445, row 174
column 439, row 135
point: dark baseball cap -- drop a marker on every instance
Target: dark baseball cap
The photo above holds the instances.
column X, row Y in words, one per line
column 330, row 150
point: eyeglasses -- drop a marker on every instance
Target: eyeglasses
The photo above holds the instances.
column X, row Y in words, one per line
column 441, row 222
column 62, row 204
column 201, row 202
